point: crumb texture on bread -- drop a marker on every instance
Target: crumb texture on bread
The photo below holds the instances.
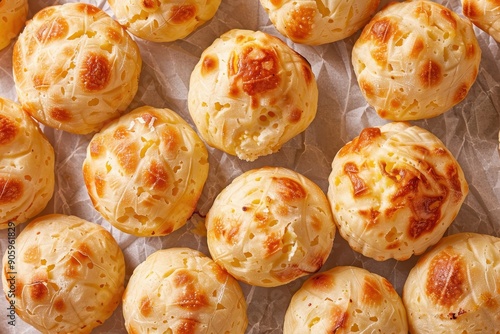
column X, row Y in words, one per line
column 394, row 190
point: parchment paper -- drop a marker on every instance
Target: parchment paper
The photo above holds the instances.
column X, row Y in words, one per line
column 470, row 131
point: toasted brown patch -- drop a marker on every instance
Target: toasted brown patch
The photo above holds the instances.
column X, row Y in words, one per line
column 8, row 130
column 323, row 282
column 371, row 291
column 454, row 181
column 220, row 274
column 446, row 278
column 182, row 14
column 191, row 297
column 370, row 216
column 430, row 74
column 358, row 184
column 470, row 9
column 461, row 93
column 288, row 274
column 339, row 320
column 209, row 65
column 295, row 115
column 32, row 254
column 418, row 46
column 146, row 307
column 10, row 190
column 289, row 190
column 95, row 72
column 121, row 132
column 171, row 138
column 470, row 50
column 45, row 13
column 59, row 304
column 149, row 4
column 448, row 16
column 365, row 139
column 367, row 88
column 38, row 288
column 60, row 114
column 114, row 35
column 257, row 69
column 277, row 3
column 156, row 177
column 308, row 74
column 186, row 326
column 426, row 214
column 52, row 30
column 100, row 184
column 300, row 22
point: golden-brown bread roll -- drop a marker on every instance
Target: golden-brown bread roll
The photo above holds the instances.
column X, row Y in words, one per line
column 319, row 22
column 180, row 290
column 394, row 190
column 163, row 21
column 75, row 67
column 270, row 226
column 145, row 171
column 69, row 275
column 250, row 93
column 415, row 60
column 455, row 287
column 13, row 14
column 26, row 166
column 485, row 14
column 346, row 300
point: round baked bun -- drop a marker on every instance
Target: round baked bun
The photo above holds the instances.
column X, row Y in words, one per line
column 145, row 171
column 75, row 67
column 250, row 93
column 319, row 22
column 394, row 190
column 485, row 14
column 270, row 226
column 346, row 300
column 180, row 290
column 13, row 14
column 26, row 166
column 69, row 275
column 163, row 21
column 455, row 287
column 415, row 60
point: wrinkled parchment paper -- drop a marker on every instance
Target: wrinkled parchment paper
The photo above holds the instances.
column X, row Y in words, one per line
column 469, row 130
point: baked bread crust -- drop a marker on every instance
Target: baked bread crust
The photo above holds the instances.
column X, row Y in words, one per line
column 416, row 60
column 145, row 171
column 485, row 14
column 455, row 287
column 75, row 68
column 180, row 290
column 319, row 22
column 346, row 299
column 250, row 93
column 165, row 20
column 394, row 190
column 26, row 166
column 69, row 274
column 270, row 226
column 13, row 14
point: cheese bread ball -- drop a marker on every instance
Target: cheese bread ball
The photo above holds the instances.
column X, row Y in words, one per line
column 75, row 67
column 270, row 226
column 319, row 22
column 26, row 166
column 250, row 93
column 163, row 20
column 485, row 14
column 455, row 287
column 416, row 60
column 394, row 190
column 13, row 14
column 346, row 300
column 180, row 290
column 145, row 171
column 69, row 275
